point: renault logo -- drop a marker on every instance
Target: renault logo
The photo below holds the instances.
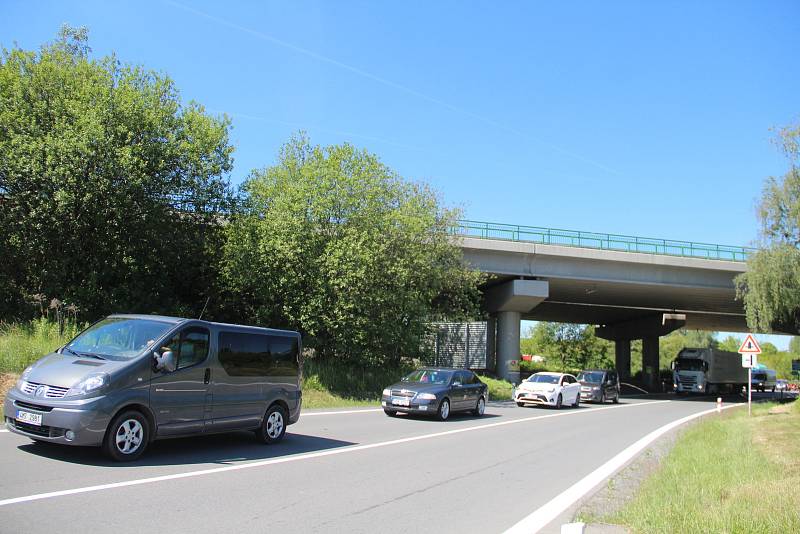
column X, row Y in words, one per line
column 40, row 391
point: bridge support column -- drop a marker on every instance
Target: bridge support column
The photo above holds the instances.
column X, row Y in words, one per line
column 509, row 301
column 648, row 329
column 650, row 363
column 508, row 325
column 622, row 357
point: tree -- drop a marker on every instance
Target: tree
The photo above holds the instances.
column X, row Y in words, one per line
column 771, row 286
column 794, row 345
column 571, row 346
column 730, row 344
column 334, row 243
column 110, row 187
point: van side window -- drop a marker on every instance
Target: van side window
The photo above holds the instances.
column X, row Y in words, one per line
column 190, row 346
column 244, row 354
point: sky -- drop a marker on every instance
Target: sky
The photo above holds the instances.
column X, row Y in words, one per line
column 636, row 118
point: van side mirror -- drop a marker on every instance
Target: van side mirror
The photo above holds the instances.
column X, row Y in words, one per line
column 165, row 361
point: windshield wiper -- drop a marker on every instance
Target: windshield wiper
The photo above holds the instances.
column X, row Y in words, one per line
column 70, row 351
column 84, row 354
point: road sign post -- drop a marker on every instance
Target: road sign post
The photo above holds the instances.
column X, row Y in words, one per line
column 749, row 351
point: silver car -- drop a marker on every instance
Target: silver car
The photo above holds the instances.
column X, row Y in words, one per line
column 130, row 379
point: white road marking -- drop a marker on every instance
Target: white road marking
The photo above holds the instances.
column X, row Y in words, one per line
column 307, row 456
column 3, row 430
column 340, row 412
column 544, row 515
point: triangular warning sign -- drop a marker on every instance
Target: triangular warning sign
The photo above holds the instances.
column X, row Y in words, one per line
column 749, row 346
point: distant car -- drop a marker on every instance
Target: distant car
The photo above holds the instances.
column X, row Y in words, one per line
column 599, row 385
column 781, row 385
column 549, row 389
column 436, row 391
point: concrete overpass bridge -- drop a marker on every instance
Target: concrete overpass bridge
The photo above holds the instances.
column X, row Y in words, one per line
column 630, row 287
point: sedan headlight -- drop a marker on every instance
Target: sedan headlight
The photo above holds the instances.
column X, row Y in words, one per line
column 93, row 382
column 426, row 396
column 387, row 392
column 551, row 389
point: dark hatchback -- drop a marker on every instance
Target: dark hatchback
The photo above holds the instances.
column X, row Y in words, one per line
column 599, row 385
column 436, row 391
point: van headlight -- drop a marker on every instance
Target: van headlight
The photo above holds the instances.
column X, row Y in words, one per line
column 23, row 379
column 93, row 382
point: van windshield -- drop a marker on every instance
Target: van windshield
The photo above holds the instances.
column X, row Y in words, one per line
column 117, row 338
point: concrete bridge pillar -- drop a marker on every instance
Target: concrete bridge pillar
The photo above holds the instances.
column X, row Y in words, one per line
column 508, row 337
column 648, row 329
column 509, row 301
column 622, row 357
column 650, row 363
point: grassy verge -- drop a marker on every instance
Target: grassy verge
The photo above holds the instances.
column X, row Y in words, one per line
column 23, row 344
column 498, row 389
column 732, row 473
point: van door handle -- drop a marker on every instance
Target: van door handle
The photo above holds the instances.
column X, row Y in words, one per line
column 207, row 377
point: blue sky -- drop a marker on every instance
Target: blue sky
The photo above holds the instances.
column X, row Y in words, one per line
column 624, row 117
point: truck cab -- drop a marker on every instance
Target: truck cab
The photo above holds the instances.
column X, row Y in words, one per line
column 689, row 372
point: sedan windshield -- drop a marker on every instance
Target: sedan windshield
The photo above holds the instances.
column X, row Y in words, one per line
column 117, row 338
column 544, row 379
column 429, row 376
column 595, row 377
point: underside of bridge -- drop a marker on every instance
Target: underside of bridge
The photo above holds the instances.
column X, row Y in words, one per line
column 621, row 311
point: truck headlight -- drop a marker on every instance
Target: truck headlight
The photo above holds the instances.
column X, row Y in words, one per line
column 93, row 382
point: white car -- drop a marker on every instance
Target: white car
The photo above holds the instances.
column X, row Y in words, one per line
column 551, row 389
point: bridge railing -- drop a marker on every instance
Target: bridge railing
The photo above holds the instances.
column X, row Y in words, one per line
column 624, row 243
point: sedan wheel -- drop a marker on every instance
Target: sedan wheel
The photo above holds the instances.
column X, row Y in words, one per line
column 480, row 407
column 444, row 410
column 577, row 401
column 559, row 402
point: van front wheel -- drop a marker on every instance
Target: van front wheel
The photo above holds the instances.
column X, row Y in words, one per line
column 127, row 436
column 273, row 427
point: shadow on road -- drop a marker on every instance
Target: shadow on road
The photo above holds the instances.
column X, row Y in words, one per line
column 219, row 449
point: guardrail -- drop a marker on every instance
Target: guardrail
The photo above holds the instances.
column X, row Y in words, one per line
column 624, row 243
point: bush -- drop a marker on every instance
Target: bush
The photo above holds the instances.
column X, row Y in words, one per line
column 23, row 344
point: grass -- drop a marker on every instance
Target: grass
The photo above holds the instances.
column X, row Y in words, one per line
column 498, row 389
column 729, row 474
column 23, row 344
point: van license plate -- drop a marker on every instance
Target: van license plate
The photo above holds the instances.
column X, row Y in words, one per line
column 30, row 418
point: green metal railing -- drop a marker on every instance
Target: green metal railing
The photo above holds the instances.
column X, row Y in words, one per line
column 624, row 243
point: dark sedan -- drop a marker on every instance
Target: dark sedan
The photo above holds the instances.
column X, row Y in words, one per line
column 436, row 391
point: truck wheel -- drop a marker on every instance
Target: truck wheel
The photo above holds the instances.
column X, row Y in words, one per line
column 127, row 436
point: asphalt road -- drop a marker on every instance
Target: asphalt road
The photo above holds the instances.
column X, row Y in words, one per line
column 349, row 471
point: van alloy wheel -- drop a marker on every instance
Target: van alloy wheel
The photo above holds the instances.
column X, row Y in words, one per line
column 273, row 426
column 129, row 435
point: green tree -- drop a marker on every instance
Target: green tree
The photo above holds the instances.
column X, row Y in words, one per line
column 334, row 243
column 110, row 186
column 730, row 344
column 771, row 286
column 794, row 345
column 569, row 346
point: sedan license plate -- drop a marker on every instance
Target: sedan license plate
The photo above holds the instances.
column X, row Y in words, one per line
column 400, row 401
column 30, row 418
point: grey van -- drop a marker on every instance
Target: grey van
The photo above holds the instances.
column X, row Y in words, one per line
column 130, row 379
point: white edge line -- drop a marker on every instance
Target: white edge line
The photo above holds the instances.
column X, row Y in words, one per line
column 340, row 412
column 306, row 456
column 547, row 513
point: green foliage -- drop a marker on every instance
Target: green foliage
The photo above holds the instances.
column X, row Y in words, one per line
column 568, row 346
column 794, row 345
column 498, row 389
column 23, row 344
column 334, row 243
column 351, row 382
column 672, row 343
column 110, row 186
column 724, row 475
column 771, row 286
column 730, row 344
